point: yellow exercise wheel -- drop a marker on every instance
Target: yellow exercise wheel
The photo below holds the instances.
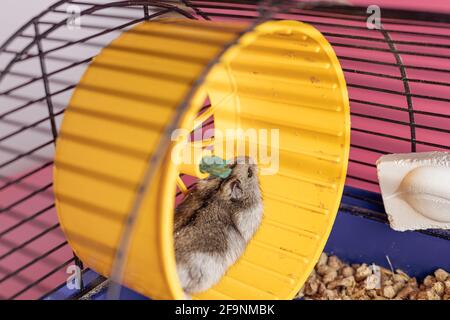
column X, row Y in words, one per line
column 280, row 77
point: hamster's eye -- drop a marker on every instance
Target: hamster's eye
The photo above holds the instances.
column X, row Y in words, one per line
column 250, row 173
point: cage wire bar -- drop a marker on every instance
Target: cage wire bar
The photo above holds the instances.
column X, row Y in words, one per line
column 398, row 78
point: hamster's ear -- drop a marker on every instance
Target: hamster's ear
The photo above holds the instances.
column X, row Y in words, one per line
column 235, row 190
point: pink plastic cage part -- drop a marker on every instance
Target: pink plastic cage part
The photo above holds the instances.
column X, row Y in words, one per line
column 398, row 79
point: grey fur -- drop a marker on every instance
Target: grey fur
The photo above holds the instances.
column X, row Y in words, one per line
column 214, row 223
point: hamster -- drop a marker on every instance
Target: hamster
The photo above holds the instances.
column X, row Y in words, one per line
column 214, row 224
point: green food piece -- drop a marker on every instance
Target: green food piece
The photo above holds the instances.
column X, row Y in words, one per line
column 215, row 166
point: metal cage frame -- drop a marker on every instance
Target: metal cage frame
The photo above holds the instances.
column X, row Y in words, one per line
column 356, row 202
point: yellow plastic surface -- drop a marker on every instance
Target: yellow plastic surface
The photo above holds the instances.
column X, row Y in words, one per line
column 283, row 75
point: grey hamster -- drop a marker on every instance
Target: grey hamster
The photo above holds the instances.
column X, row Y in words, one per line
column 214, row 223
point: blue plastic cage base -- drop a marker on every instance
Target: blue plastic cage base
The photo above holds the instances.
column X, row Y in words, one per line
column 360, row 234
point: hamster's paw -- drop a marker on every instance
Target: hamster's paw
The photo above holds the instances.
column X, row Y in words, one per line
column 187, row 296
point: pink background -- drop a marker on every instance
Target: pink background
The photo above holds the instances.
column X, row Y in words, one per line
column 24, row 203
